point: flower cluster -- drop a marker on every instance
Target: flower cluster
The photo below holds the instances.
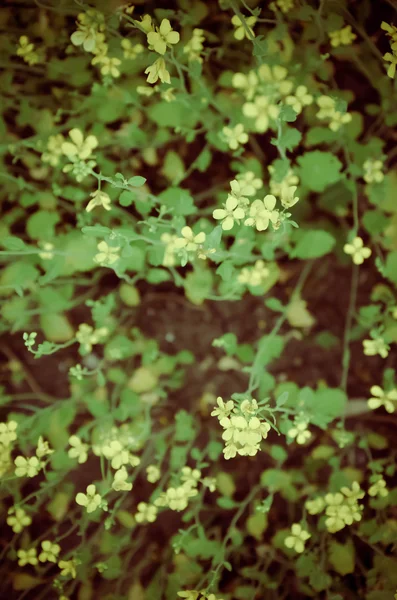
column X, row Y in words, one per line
column 190, row 242
column 158, row 40
column 391, row 57
column 195, row 46
column 341, row 509
column 376, row 346
column 7, row 436
column 243, row 429
column 277, row 187
column 329, row 112
column 31, row 466
column 177, row 498
column 255, row 275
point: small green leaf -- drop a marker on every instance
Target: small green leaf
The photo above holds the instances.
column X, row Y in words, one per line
column 313, row 244
column 318, row 170
column 136, row 181
column 342, row 557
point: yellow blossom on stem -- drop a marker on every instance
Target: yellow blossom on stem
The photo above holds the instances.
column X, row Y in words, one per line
column 161, row 38
column 17, row 519
column 68, row 567
column 8, row 433
column 27, row 557
column 90, row 500
column 147, row 513
column 79, row 147
column 262, row 213
column 376, row 346
column 378, row 487
column 230, row 214
column 49, row 551
column 157, row 71
column 381, row 398
column 78, row 450
column 373, row 171
column 357, row 250
column 131, row 51
column 99, row 198
column 27, row 467
column 152, row 473
column 241, row 32
column 107, row 255
column 120, row 482
column 296, row 541
column 234, row 136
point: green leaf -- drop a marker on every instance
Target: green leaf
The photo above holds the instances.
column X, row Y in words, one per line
column 226, row 270
column 391, row 267
column 198, row 285
column 184, row 431
column 173, row 114
column 288, row 139
column 13, row 243
column 136, row 181
column 313, row 244
column 179, row 199
column 287, row 113
column 342, row 557
column 97, row 230
column 318, row 170
column 41, row 225
column 320, row 135
column 18, row 274
column 126, row 199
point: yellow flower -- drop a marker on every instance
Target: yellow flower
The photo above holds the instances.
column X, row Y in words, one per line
column 382, row 398
column 376, row 346
column 91, row 500
column 49, row 552
column 230, row 214
column 146, row 24
column 300, row 99
column 378, row 487
column 156, row 71
column 315, row 506
column 194, row 46
column 47, row 253
column 152, row 473
column 169, row 240
column 54, row 150
column 8, row 433
column 240, row 32
column 78, row 450
column 288, row 198
column 235, row 136
column 373, row 172
column 262, row 213
column 299, row 431
column 284, row 5
column 120, row 481
column 107, row 255
column 28, row 467
column 163, row 37
column 99, row 198
column 18, row 519
column 357, row 250
column 342, row 37
column 27, row 557
column 116, row 453
column 43, row 448
column 131, row 51
column 328, row 111
column 26, row 51
column 110, row 66
column 68, row 567
column 261, row 109
column 297, row 539
column 255, row 276
column 189, row 241
column 79, row 147
column 147, row 513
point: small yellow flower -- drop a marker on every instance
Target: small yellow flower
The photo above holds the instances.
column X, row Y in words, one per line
column 109, row 66
column 68, row 567
column 91, row 500
column 240, row 32
column 378, row 487
column 27, row 557
column 297, row 539
column 342, row 37
column 147, row 513
column 382, row 398
column 47, row 253
column 373, row 171
column 315, row 506
column 189, row 240
column 376, row 346
column 43, row 448
column 54, row 150
column 120, row 481
column 262, row 213
column 146, row 24
column 300, row 99
column 288, row 198
column 49, row 552
column 107, row 255
column 255, row 276
column 79, row 450
column 157, row 71
column 230, row 214
column 299, row 431
column 152, row 473
column 79, row 147
column 26, row 50
column 99, row 198
column 262, row 109
column 27, row 467
column 169, row 240
column 8, row 433
column 357, row 250
column 131, row 51
column 234, row 136
column 116, row 453
column 223, row 409
column 163, row 37
column 18, row 519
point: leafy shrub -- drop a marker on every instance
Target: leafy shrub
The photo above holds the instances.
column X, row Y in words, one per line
column 198, row 285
